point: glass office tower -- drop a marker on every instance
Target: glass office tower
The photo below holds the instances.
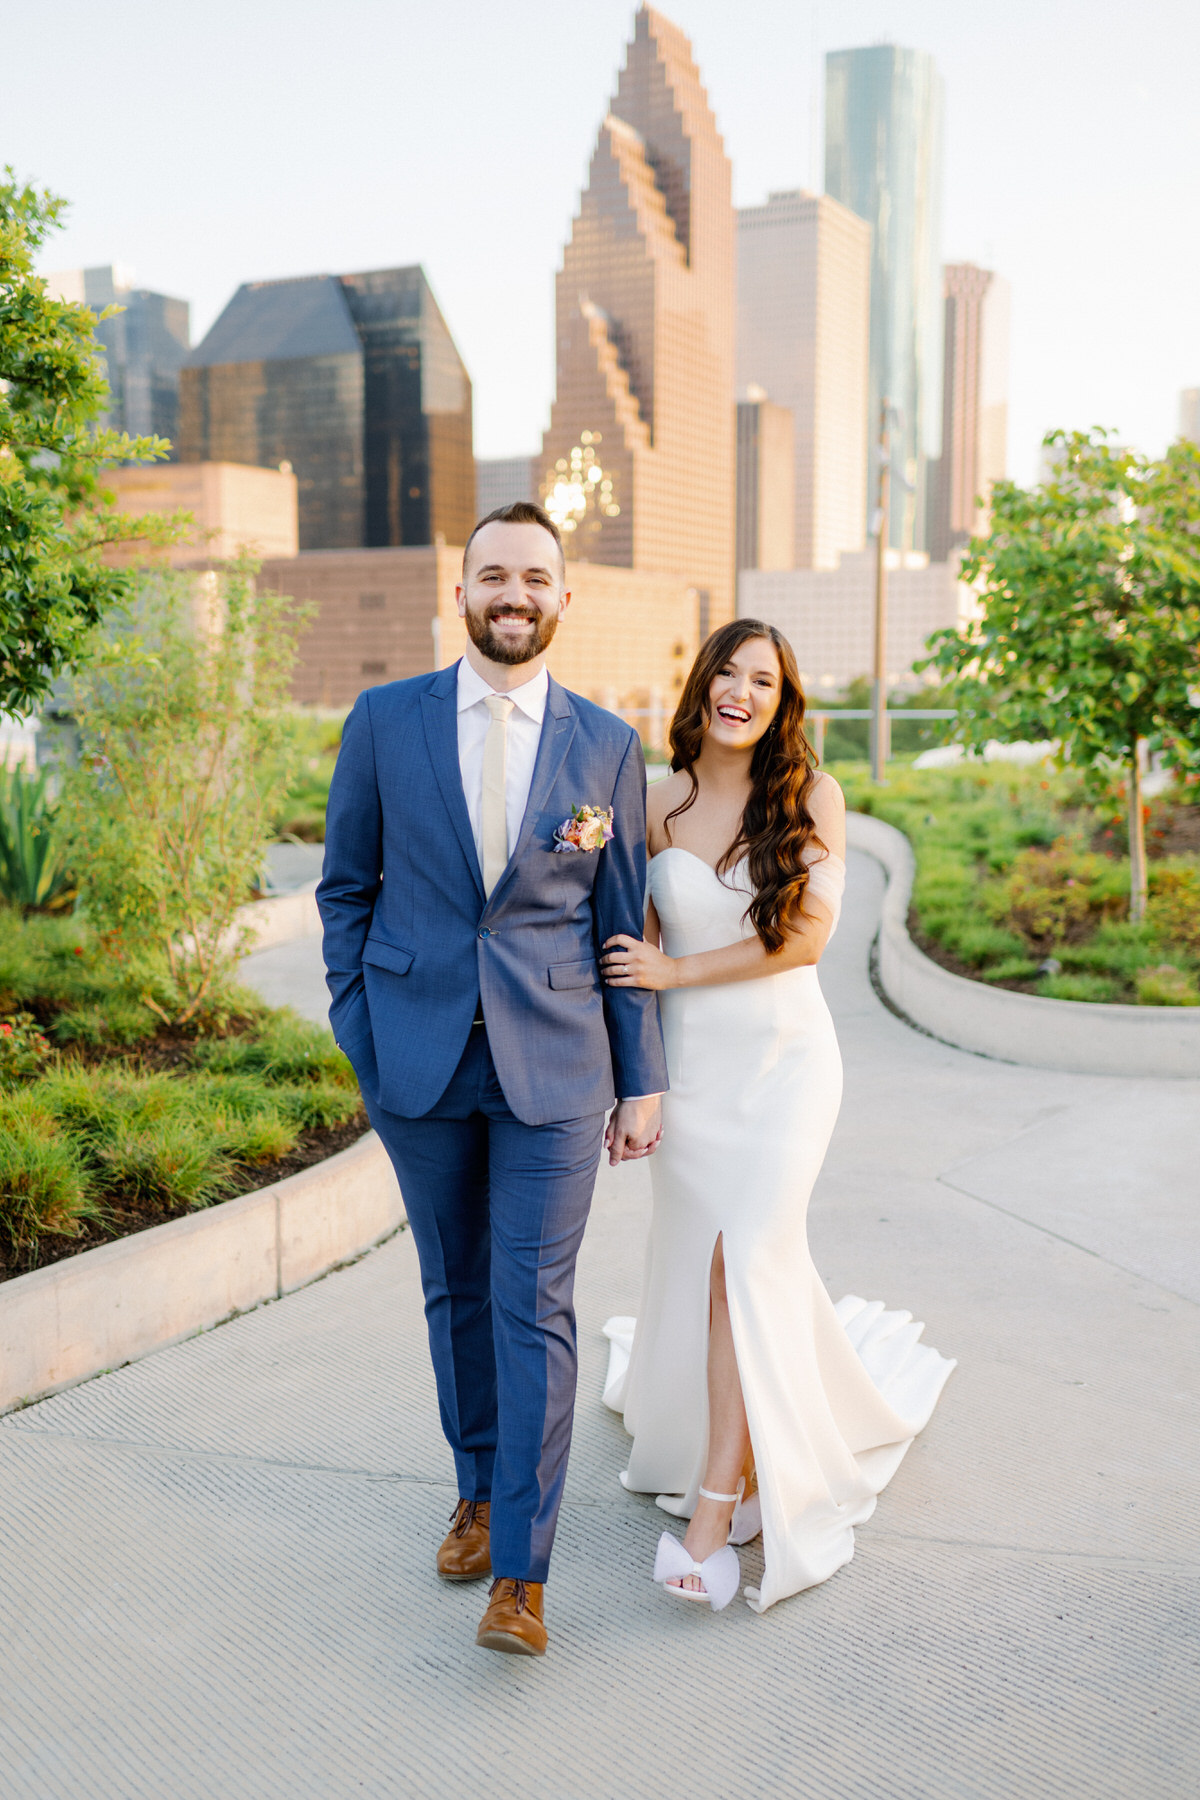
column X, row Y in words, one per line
column 883, row 159
column 356, row 382
column 144, row 347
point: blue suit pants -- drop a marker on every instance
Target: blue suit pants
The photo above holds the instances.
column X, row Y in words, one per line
column 497, row 1210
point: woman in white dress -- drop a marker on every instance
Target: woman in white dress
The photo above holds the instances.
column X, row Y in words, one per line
column 753, row 1401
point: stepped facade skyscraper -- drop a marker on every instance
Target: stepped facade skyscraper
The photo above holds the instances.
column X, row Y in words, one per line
column 804, row 285
column 883, row 159
column 355, row 382
column 638, row 462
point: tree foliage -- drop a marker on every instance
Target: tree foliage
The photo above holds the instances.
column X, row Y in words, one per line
column 1089, row 624
column 55, row 518
column 187, row 752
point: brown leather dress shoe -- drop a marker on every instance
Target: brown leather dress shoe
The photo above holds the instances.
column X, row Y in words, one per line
column 465, row 1553
column 513, row 1620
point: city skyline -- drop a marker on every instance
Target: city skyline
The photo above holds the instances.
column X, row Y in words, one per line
column 1058, row 130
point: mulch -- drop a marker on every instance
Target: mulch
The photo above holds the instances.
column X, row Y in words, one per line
column 127, row 1214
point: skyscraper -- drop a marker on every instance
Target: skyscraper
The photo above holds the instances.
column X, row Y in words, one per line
column 766, row 487
column 638, row 461
column 804, row 285
column 974, row 406
column 883, row 159
column 144, row 347
column 355, row 381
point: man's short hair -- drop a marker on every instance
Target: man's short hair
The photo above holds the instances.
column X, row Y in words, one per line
column 520, row 512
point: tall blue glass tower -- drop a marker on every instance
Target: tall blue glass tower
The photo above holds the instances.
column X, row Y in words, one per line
column 883, row 159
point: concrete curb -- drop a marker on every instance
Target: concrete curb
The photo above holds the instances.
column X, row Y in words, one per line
column 280, row 918
column 114, row 1304
column 1074, row 1035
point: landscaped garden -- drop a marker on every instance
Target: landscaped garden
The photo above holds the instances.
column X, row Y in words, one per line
column 1023, row 880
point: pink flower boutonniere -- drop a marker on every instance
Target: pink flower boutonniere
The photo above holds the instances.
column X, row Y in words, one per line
column 587, row 828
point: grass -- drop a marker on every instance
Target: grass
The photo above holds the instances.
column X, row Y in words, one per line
column 116, row 1121
column 1023, row 884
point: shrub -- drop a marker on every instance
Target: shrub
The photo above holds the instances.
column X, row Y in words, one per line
column 1173, row 909
column 23, row 1049
column 1048, row 892
column 1078, row 987
column 1165, row 985
column 1013, row 968
column 44, row 1186
column 187, row 749
column 32, row 868
column 286, row 1048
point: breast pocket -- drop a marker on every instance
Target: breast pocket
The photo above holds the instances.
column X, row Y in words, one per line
column 573, row 974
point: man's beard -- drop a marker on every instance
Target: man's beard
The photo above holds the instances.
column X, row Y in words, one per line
column 498, row 649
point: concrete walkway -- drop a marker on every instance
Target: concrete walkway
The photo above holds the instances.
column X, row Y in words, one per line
column 216, row 1566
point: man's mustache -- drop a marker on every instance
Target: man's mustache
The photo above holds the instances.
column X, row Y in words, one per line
column 508, row 611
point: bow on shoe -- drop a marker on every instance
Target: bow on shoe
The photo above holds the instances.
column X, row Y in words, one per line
column 721, row 1572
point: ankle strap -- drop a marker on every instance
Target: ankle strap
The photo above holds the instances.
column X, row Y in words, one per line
column 707, row 1494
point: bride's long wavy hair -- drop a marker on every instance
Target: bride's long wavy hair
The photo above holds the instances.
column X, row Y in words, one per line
column 776, row 826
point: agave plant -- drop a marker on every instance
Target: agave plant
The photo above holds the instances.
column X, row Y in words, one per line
column 33, row 874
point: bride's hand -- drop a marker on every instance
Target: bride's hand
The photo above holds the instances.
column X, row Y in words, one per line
column 630, row 962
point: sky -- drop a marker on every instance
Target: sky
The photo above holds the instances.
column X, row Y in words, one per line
column 248, row 139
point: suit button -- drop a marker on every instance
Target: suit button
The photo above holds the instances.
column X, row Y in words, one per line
column 485, row 932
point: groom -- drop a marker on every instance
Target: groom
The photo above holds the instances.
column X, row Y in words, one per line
column 461, row 935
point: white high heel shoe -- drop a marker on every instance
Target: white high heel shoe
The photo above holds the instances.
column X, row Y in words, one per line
column 721, row 1572
column 746, row 1523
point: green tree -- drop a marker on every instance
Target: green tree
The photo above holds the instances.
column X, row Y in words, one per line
column 188, row 748
column 55, row 518
column 1089, row 629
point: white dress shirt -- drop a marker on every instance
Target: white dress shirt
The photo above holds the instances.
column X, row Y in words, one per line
column 524, row 735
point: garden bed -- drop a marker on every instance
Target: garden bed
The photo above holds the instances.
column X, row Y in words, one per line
column 1023, row 884
column 112, row 1122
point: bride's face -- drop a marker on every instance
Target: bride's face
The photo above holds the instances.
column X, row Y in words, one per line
column 744, row 695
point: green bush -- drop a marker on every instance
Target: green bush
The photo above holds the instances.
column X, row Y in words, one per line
column 1165, row 985
column 1078, row 987
column 33, row 870
column 45, row 1188
column 1006, row 876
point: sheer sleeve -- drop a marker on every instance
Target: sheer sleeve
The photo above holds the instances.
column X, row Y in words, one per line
column 827, row 883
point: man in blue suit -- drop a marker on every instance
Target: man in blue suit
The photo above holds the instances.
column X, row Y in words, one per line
column 462, row 931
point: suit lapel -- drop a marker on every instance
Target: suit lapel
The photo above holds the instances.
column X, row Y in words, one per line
column 558, row 729
column 439, row 712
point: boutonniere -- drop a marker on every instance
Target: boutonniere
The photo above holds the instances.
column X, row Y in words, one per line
column 587, row 828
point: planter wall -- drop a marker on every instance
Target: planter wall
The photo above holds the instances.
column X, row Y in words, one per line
column 1021, row 1028
column 114, row 1304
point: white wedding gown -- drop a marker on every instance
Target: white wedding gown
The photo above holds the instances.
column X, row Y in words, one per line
column 834, row 1394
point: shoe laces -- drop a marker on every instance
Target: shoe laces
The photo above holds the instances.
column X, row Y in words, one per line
column 520, row 1593
column 465, row 1515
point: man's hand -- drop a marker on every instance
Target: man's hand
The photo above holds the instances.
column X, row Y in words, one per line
column 635, row 1129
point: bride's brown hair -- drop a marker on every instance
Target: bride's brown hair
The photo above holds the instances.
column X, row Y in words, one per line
column 776, row 826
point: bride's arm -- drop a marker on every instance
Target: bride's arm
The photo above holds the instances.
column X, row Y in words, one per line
column 630, row 963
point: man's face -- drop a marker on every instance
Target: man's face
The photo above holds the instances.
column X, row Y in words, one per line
column 512, row 595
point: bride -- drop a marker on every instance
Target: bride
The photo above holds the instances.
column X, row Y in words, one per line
column 753, row 1402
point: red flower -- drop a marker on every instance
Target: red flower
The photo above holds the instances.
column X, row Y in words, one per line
column 79, row 949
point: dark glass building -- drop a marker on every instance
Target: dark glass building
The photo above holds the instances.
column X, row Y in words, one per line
column 356, row 382
column 144, row 346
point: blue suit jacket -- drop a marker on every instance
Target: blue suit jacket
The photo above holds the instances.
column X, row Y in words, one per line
column 411, row 943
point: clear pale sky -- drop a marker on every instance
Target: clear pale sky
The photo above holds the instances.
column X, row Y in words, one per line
column 236, row 140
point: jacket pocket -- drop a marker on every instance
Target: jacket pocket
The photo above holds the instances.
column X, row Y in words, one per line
column 382, row 955
column 573, row 974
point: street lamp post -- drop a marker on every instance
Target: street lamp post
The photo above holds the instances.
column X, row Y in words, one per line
column 879, row 718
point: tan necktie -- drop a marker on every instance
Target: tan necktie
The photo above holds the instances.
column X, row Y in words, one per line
column 493, row 812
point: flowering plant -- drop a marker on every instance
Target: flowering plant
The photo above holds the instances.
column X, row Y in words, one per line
column 587, row 828
column 23, row 1049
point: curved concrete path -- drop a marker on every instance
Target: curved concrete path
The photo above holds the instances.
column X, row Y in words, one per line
column 215, row 1565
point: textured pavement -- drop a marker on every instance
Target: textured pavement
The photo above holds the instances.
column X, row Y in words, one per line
column 216, row 1565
